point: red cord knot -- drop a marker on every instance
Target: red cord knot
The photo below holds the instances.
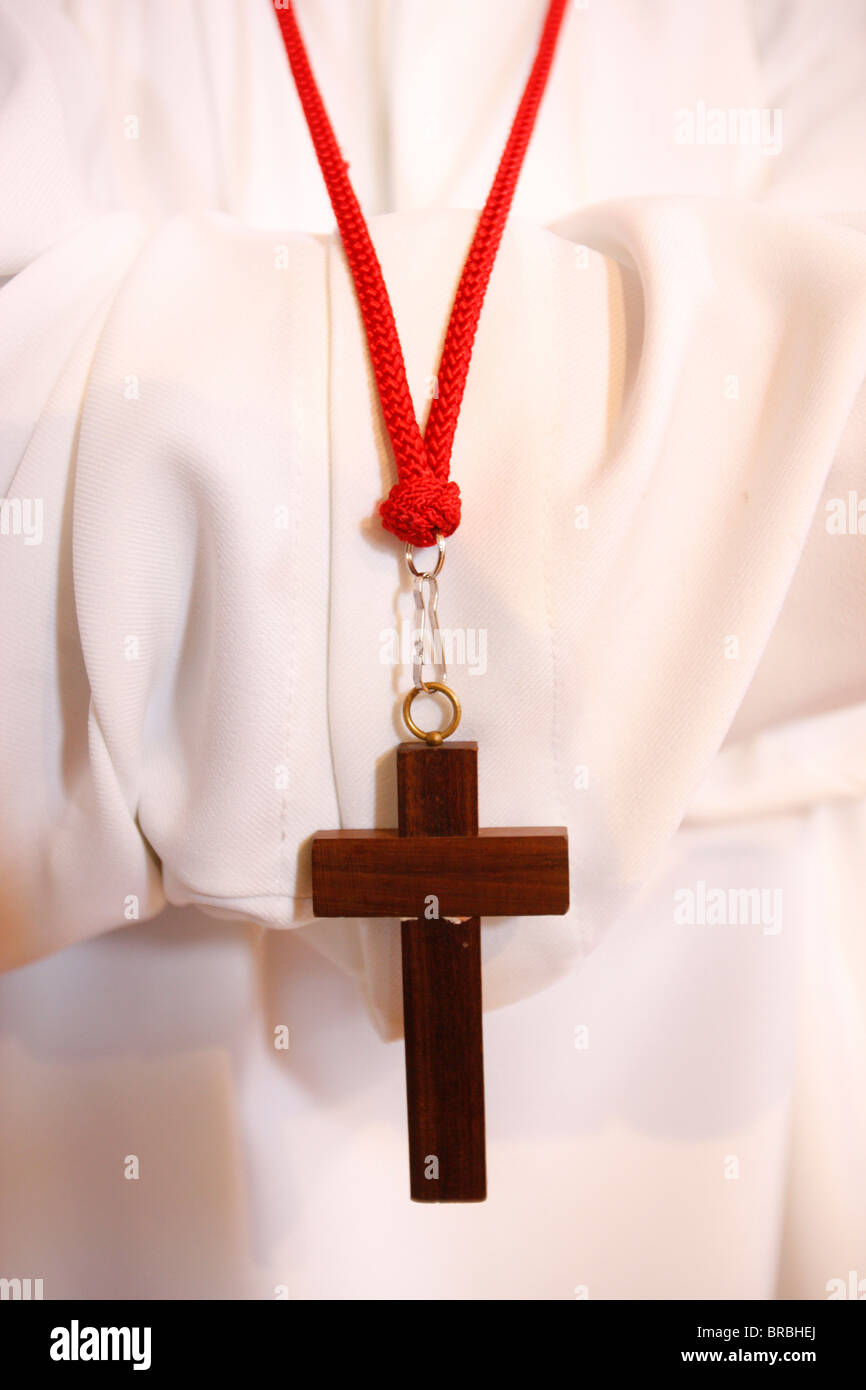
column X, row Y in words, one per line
column 416, row 508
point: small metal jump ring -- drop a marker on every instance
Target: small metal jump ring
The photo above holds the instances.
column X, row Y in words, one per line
column 440, row 559
column 435, row 736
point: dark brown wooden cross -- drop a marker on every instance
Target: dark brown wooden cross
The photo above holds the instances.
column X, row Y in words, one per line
column 438, row 861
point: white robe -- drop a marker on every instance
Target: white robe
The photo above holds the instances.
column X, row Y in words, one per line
column 657, row 589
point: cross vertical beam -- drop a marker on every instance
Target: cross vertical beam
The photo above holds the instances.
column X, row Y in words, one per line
column 437, row 791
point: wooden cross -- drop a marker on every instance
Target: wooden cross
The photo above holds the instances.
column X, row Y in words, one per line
column 438, row 861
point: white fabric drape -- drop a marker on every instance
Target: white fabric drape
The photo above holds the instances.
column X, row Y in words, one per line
column 664, row 642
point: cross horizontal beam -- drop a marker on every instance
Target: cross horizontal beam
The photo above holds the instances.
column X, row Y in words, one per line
column 520, row 872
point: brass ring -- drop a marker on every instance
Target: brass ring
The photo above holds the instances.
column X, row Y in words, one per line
column 435, row 736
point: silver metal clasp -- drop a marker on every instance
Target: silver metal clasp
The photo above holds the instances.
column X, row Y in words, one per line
column 427, row 649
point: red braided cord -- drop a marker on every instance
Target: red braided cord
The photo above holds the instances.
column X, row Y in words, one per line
column 424, row 500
